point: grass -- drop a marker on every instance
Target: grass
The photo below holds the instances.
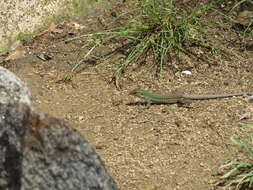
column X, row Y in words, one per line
column 24, row 36
column 158, row 30
column 239, row 172
column 247, row 28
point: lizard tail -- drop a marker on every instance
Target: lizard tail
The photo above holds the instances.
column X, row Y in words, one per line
column 210, row 96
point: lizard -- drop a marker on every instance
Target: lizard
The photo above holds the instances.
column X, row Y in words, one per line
column 180, row 98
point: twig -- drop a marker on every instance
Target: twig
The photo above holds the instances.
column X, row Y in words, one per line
column 80, row 62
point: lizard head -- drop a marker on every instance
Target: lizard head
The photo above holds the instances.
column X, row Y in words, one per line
column 136, row 92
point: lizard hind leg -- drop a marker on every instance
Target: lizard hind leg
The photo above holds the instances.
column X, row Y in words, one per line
column 185, row 103
column 148, row 104
column 179, row 95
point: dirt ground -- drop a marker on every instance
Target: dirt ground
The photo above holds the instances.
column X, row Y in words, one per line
column 165, row 147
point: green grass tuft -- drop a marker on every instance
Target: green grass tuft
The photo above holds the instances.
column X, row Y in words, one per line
column 239, row 172
column 159, row 30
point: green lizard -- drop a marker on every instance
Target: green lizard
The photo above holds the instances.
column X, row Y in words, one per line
column 178, row 97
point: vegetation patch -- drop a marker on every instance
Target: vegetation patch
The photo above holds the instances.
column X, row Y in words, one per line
column 239, row 172
column 160, row 30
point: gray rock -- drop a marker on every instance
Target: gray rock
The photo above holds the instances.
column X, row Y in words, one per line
column 38, row 151
column 57, row 157
column 12, row 88
column 13, row 125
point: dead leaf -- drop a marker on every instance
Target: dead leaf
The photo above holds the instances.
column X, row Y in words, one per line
column 76, row 25
column 51, row 28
